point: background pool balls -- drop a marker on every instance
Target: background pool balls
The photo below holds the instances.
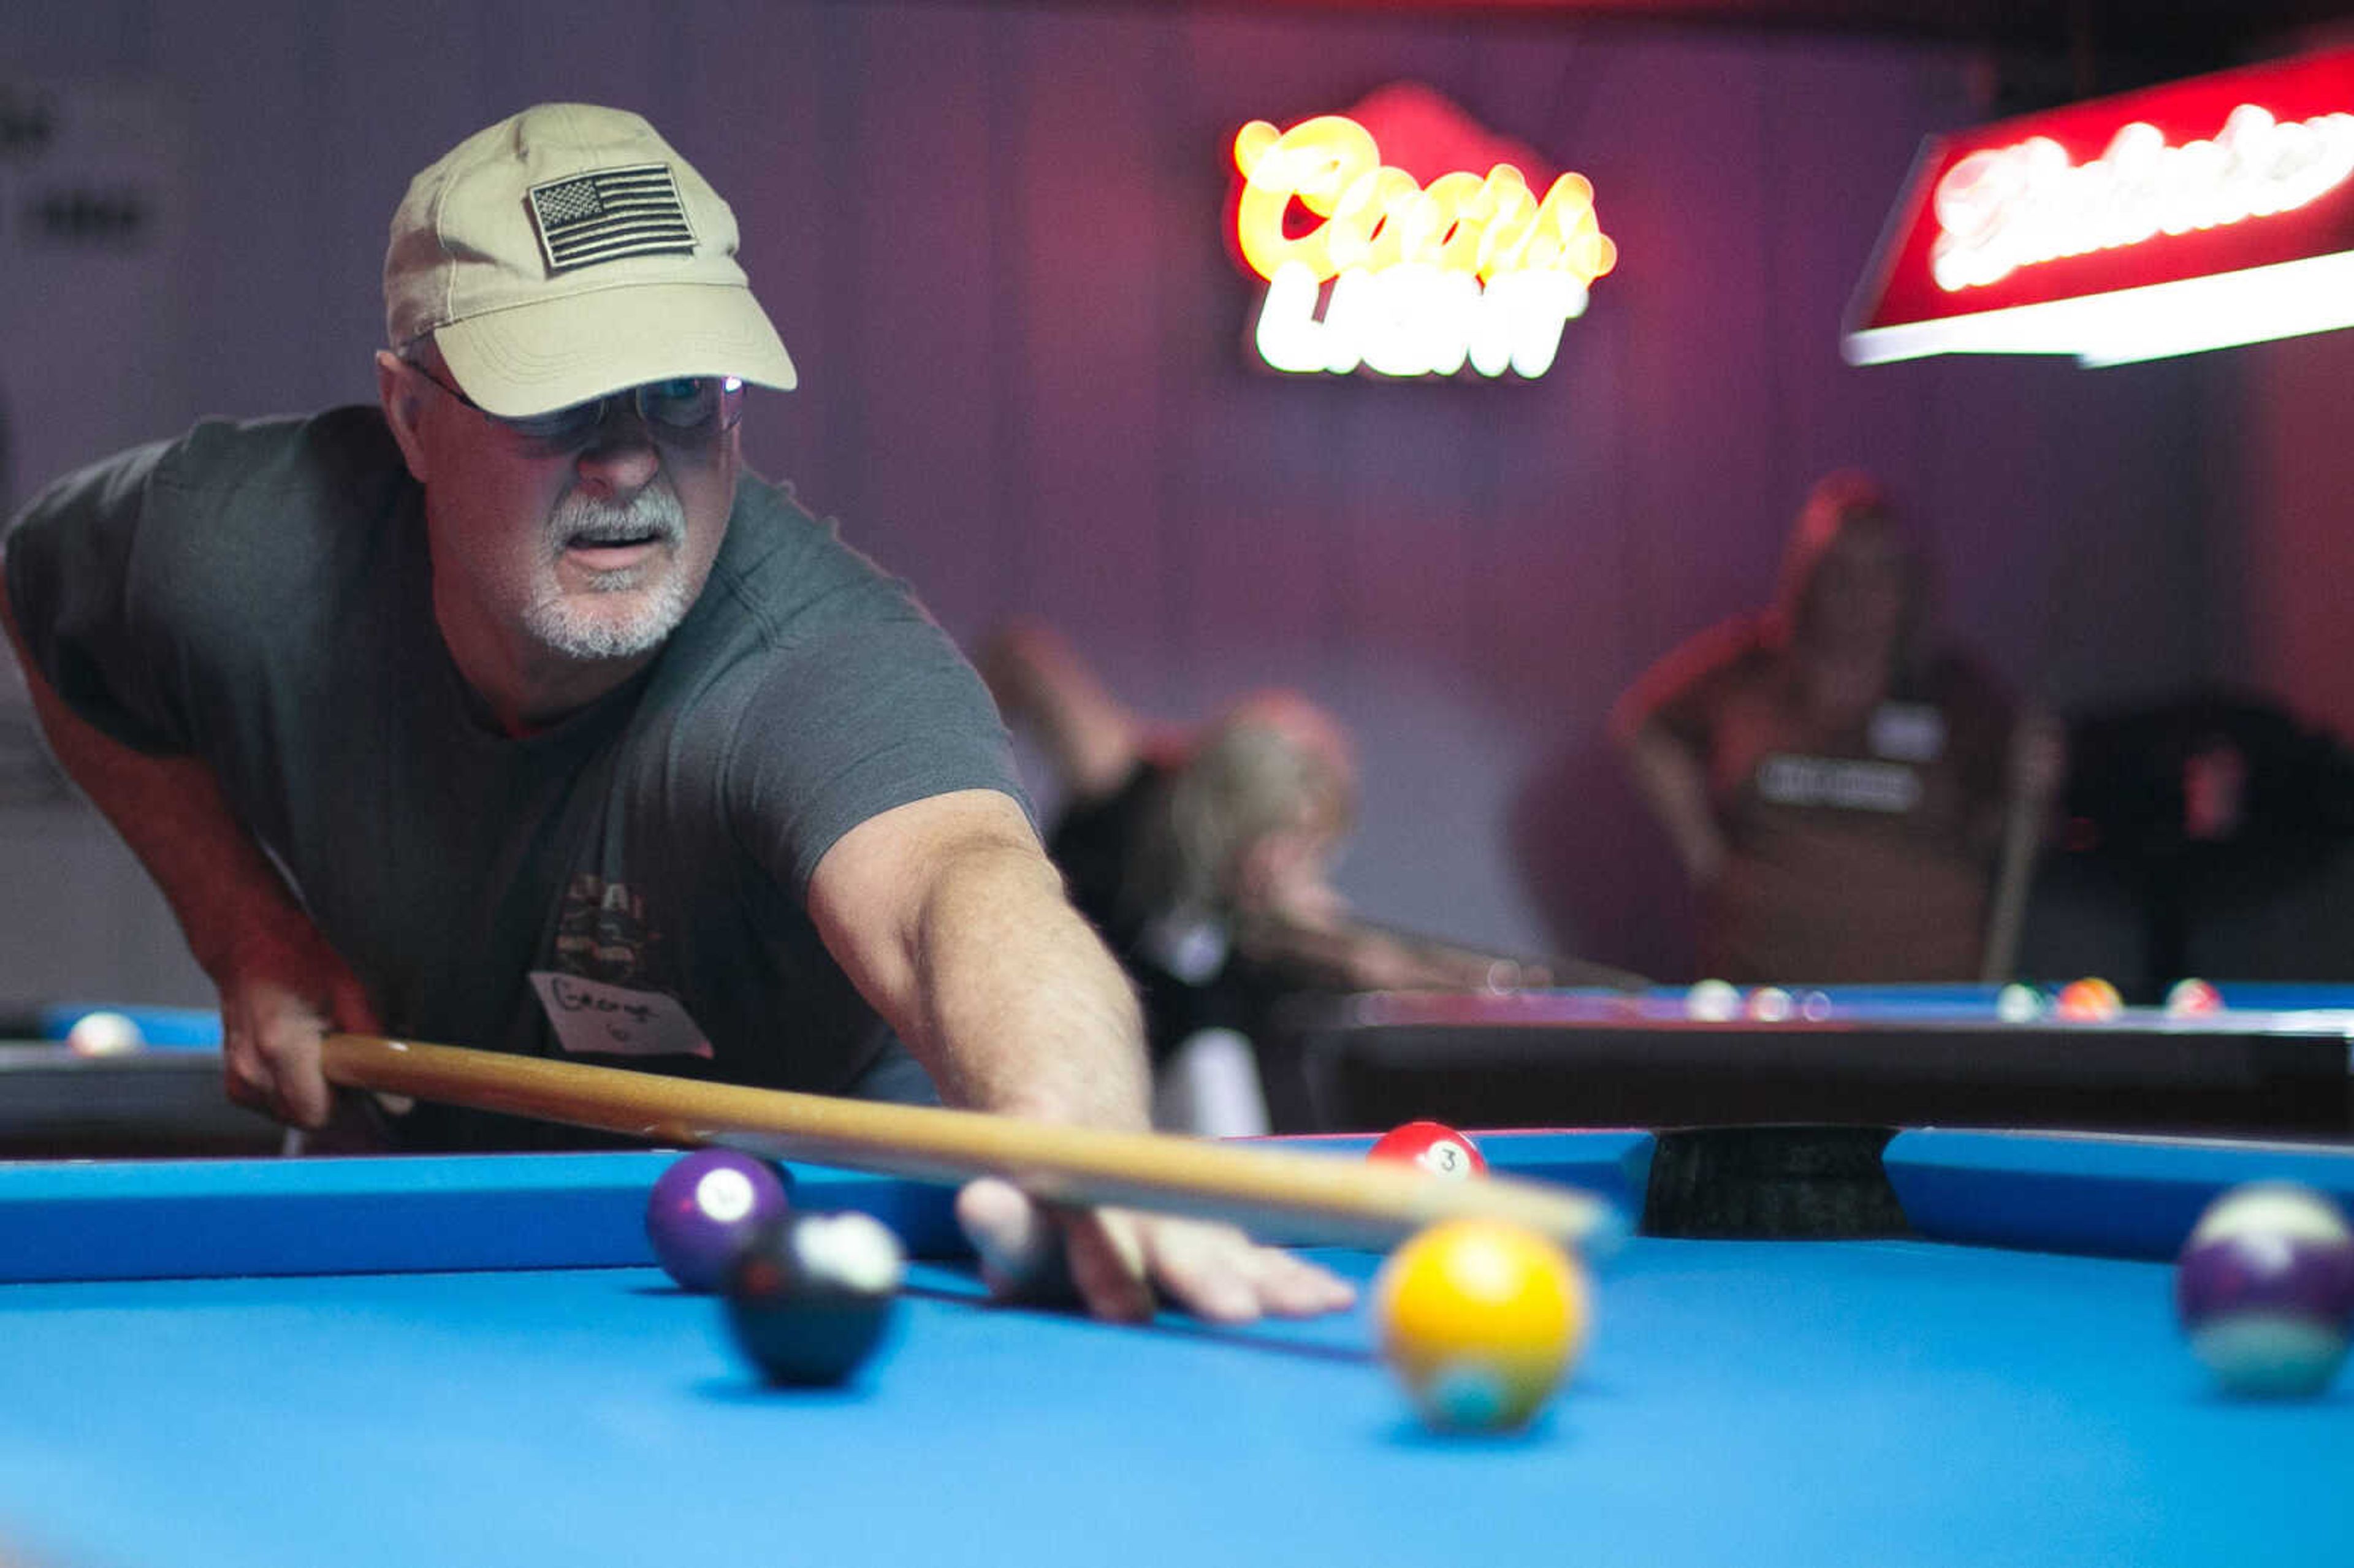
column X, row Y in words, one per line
column 811, row 1295
column 1712, row 1001
column 2191, row 998
column 1434, row 1146
column 2266, row 1289
column 1480, row 1321
column 705, row 1206
column 2089, row 1001
column 103, row 1034
column 2019, row 1004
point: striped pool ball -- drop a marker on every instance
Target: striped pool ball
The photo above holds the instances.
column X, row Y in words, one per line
column 2264, row 1288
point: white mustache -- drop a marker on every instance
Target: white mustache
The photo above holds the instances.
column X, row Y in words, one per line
column 582, row 519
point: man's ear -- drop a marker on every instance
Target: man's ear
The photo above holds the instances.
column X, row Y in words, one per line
column 403, row 401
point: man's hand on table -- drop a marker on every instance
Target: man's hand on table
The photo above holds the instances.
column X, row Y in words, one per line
column 1120, row 1263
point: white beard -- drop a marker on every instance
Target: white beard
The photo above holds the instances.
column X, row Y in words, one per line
column 580, row 626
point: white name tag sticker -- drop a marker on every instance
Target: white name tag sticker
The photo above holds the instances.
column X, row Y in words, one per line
column 592, row 1018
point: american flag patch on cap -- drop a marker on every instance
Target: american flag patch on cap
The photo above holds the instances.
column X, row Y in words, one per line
column 607, row 214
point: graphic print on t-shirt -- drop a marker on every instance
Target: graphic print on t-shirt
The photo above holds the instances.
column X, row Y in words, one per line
column 600, row 999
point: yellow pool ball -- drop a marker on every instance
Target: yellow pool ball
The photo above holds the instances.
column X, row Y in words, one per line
column 1481, row 1320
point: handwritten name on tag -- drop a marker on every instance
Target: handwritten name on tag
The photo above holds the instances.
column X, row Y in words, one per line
column 592, row 1018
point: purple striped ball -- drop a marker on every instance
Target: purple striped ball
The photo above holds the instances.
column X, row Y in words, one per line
column 2264, row 1288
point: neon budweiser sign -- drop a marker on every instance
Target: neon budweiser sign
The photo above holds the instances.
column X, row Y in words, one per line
column 2187, row 216
column 2013, row 207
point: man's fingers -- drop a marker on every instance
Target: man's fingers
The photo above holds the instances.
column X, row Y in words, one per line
column 1290, row 1287
column 291, row 1051
column 273, row 1067
column 305, row 1093
column 1199, row 1267
column 1114, row 1259
column 246, row 1087
column 1031, row 1253
column 1020, row 1250
column 1108, row 1264
column 1218, row 1273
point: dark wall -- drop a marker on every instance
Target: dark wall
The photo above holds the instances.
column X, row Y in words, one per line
column 991, row 236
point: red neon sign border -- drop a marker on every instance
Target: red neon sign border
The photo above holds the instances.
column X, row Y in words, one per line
column 1899, row 290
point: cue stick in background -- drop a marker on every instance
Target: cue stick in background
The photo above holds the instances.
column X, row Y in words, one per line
column 1322, row 956
column 2026, row 810
column 1299, row 1198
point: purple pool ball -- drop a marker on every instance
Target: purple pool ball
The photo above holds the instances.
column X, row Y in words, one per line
column 2266, row 1290
column 705, row 1206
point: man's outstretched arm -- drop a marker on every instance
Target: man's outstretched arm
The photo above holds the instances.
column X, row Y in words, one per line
column 952, row 920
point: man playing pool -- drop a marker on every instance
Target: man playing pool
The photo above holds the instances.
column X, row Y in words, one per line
column 513, row 713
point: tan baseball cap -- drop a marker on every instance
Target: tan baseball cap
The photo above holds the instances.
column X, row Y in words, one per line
column 568, row 252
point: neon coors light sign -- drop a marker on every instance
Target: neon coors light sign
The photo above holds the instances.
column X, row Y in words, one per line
column 1367, row 267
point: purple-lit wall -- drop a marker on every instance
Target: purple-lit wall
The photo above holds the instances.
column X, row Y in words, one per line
column 2283, row 488
column 990, row 236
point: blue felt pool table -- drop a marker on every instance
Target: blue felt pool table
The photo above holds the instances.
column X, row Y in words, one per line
column 471, row 1361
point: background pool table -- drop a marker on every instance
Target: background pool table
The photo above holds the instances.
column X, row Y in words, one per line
column 2278, row 1060
column 164, row 1098
column 468, row 1360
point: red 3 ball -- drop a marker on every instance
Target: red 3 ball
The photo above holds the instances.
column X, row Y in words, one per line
column 1435, row 1147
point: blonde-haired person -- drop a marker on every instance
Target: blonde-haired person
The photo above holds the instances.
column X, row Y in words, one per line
column 1204, row 857
column 1833, row 775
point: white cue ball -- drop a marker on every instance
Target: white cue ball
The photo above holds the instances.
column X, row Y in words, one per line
column 2017, row 1003
column 1714, row 1001
column 104, row 1034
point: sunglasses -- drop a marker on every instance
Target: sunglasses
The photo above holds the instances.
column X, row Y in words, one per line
column 685, row 408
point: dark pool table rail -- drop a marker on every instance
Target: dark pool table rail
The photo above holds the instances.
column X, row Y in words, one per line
column 1583, row 1059
column 56, row 1103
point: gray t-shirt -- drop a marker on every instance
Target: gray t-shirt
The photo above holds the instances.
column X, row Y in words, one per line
column 624, row 887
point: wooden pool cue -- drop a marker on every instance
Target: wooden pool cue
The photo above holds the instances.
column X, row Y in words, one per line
column 2022, row 831
column 1301, row 1199
column 2025, row 814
